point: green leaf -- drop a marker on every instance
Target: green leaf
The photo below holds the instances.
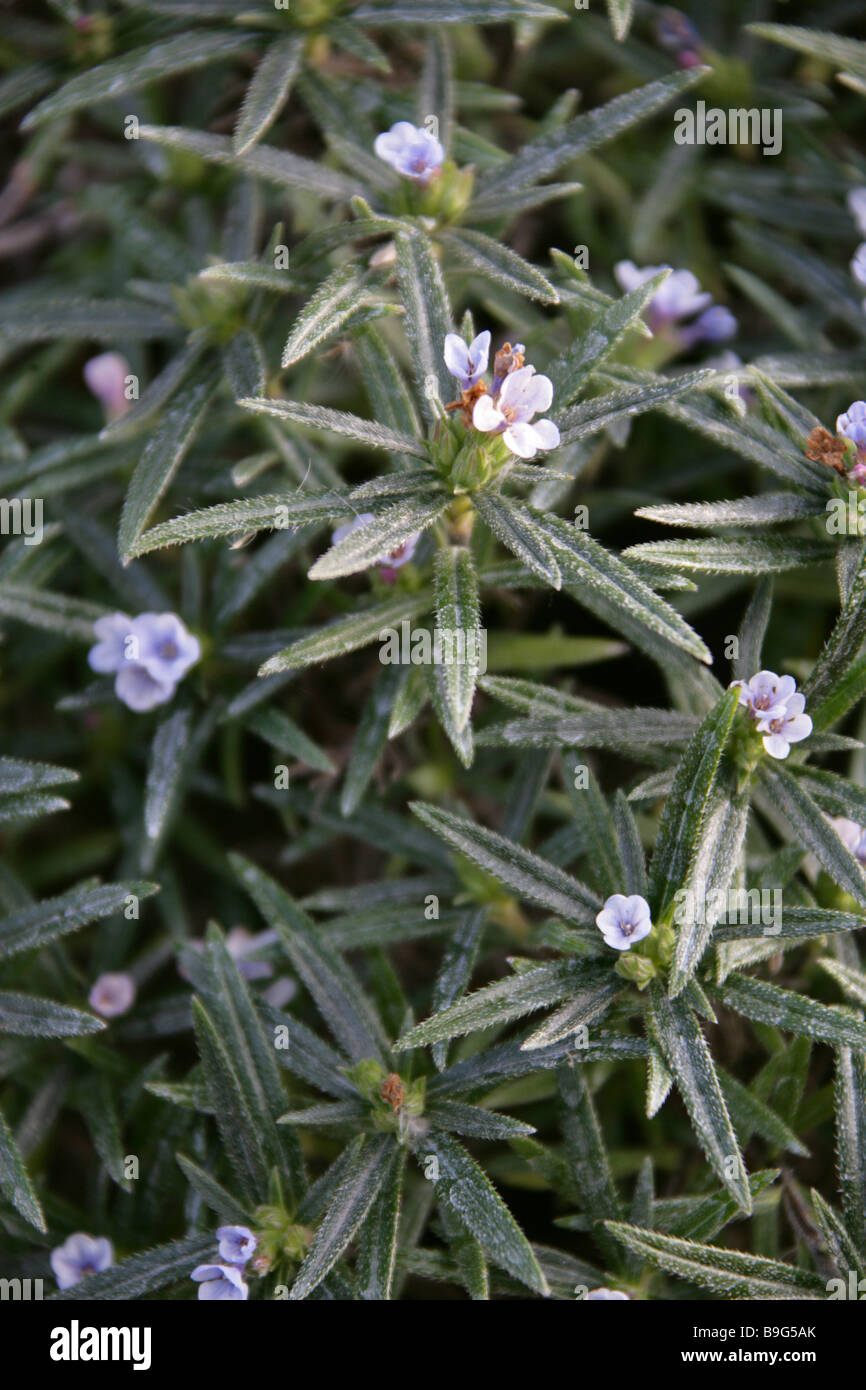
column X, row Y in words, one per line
column 223, row 1203
column 378, row 1245
column 268, row 91
column 428, row 314
column 450, row 12
column 620, row 13
column 717, row 555
column 596, row 414
column 324, row 313
column 29, row 1017
column 287, row 171
column 15, row 1181
column 73, row 617
column 516, row 868
column 42, row 315
column 133, row 70
column 31, row 927
column 474, row 1122
column 282, row 733
column 463, row 1186
column 570, row 371
column 458, row 613
column 678, row 1036
column 379, row 537
column 813, row 830
column 319, row 417
column 612, row 590
column 696, row 777
column 18, row 775
column 361, row 1171
column 514, row 526
column 244, row 364
column 716, row 858
column 842, row 52
column 511, row 998
column 851, row 981
column 370, row 739
column 840, row 1242
column 162, row 456
column 548, row 153
column 347, row 634
column 145, row 1273
column 722, row 1271
column 235, row 1114
column 589, row 1166
column 750, row 640
column 499, row 263
column 332, row 985
column 766, row 510
column 276, row 511
column 795, row 1013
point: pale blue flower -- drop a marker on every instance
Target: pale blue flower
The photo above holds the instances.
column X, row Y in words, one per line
column 79, row 1256
column 606, row 1296
column 236, row 1244
column 219, row 1283
column 112, row 994
column 852, row 424
column 411, row 150
column 467, row 364
column 624, row 920
column 106, row 377
column 165, row 649
column 148, row 655
column 678, row 297
column 523, row 394
column 858, row 264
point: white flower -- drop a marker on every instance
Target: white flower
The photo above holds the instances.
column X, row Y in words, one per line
column 858, row 264
column 411, row 150
column 467, row 364
column 852, row 835
column 624, row 920
column 112, row 994
column 606, row 1295
column 766, row 694
column 523, row 395
column 789, row 727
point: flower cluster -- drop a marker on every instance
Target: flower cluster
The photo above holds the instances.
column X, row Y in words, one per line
column 224, row 1281
column 516, row 395
column 79, row 1256
column 148, row 655
column 412, row 150
column 679, row 298
column 623, row 921
column 777, row 709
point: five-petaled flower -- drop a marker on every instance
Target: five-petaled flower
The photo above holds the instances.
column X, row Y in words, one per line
column 777, row 710
column 112, row 994
column 623, row 921
column 220, row 1283
column 148, row 655
column 522, row 395
column 79, row 1256
column 236, row 1244
column 413, row 151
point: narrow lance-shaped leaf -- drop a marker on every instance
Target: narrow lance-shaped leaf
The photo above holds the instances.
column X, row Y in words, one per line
column 320, row 417
column 678, row 1036
column 15, row 1181
column 379, row 537
column 794, row 1013
column 458, row 617
column 428, row 314
column 363, row 1168
column 160, row 461
column 268, row 90
column 723, row 1271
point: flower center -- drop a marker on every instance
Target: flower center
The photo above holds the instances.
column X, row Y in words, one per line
column 168, row 650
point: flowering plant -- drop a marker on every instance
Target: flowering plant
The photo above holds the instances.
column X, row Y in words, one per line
column 413, row 872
